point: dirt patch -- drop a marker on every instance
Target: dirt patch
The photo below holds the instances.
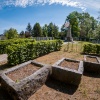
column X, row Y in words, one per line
column 23, row 72
column 54, row 90
column 91, row 59
column 69, row 64
column 89, row 88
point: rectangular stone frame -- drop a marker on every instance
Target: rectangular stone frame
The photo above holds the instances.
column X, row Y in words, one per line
column 91, row 66
column 67, row 75
column 27, row 86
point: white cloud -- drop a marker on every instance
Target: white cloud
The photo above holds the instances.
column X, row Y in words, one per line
column 83, row 4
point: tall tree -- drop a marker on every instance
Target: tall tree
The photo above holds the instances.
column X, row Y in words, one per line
column 72, row 18
column 37, row 31
column 56, row 31
column 50, row 30
column 81, row 24
column 11, row 33
column 97, row 32
column 99, row 15
column 45, row 30
column 29, row 28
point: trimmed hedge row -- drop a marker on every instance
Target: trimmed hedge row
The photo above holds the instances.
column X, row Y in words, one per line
column 5, row 43
column 90, row 48
column 19, row 53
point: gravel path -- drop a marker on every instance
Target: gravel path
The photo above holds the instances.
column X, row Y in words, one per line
column 3, row 58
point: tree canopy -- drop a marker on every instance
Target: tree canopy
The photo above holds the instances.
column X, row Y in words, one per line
column 82, row 24
column 37, row 31
column 29, row 28
column 11, row 33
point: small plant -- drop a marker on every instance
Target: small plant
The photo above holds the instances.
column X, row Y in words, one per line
column 97, row 90
column 17, row 81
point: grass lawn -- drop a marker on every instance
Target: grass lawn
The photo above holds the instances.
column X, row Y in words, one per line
column 89, row 88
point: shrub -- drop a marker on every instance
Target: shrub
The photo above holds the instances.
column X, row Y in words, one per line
column 19, row 53
column 5, row 43
column 90, row 48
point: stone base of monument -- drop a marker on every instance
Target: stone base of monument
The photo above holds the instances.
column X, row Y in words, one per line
column 91, row 64
column 25, row 79
column 69, row 39
column 68, row 71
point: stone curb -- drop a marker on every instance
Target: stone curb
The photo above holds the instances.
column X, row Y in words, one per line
column 26, row 87
column 91, row 66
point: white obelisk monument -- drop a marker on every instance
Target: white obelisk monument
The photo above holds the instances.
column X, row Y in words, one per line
column 68, row 35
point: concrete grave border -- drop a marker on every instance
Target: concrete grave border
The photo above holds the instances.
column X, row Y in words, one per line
column 27, row 86
column 67, row 75
column 91, row 66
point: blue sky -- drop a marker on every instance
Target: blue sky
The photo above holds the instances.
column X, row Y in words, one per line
column 18, row 13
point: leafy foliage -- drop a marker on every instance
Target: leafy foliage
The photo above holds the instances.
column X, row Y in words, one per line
column 5, row 43
column 90, row 48
column 82, row 24
column 37, row 31
column 29, row 28
column 19, row 53
column 11, row 33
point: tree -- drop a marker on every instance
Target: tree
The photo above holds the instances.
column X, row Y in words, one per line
column 99, row 15
column 97, row 32
column 45, row 30
column 82, row 24
column 56, row 31
column 50, row 30
column 29, row 28
column 37, row 31
column 63, row 32
column 53, row 30
column 11, row 33
column 74, row 23
column 22, row 34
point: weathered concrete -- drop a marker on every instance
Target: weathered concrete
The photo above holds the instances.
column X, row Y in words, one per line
column 91, row 66
column 27, row 86
column 67, row 75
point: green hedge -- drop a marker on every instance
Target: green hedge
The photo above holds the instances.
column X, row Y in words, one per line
column 19, row 53
column 5, row 43
column 90, row 48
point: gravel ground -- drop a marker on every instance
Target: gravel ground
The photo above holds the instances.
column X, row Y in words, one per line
column 89, row 88
column 3, row 58
column 23, row 72
column 69, row 64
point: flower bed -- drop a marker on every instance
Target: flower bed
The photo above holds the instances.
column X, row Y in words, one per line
column 25, row 86
column 91, row 63
column 70, row 74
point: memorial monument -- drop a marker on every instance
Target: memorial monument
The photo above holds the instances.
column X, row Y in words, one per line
column 67, row 27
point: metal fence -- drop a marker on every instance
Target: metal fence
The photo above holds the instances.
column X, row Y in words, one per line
column 43, row 38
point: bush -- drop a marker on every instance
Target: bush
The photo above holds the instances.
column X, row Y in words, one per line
column 5, row 43
column 19, row 53
column 90, row 48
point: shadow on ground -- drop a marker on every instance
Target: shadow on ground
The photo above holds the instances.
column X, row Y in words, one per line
column 4, row 95
column 62, row 87
column 91, row 74
column 4, row 66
